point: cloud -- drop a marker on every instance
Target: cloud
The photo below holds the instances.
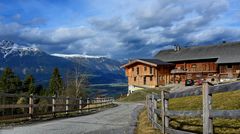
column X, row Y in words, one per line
column 123, row 29
column 217, row 34
column 35, row 22
column 17, row 16
column 58, row 35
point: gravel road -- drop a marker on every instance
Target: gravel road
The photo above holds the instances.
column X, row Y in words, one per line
column 118, row 120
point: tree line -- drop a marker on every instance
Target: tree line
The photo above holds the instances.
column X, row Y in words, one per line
column 73, row 86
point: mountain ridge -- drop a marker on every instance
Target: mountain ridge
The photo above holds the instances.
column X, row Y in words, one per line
column 31, row 60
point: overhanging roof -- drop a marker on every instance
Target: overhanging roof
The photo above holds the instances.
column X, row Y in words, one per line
column 223, row 53
column 151, row 62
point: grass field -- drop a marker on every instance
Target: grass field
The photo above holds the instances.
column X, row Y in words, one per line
column 221, row 101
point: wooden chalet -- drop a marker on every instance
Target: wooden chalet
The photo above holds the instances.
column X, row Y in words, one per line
column 214, row 63
column 147, row 73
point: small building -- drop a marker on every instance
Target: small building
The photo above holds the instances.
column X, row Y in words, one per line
column 215, row 63
column 148, row 73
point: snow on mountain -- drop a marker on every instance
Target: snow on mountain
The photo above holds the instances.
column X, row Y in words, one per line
column 76, row 56
column 10, row 48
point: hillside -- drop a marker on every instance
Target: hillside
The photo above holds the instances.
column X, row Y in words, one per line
column 224, row 101
column 24, row 60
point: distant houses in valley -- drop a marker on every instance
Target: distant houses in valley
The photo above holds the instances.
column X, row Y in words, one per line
column 215, row 63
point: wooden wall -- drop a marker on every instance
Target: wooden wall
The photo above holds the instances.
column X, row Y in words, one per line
column 136, row 77
column 164, row 76
column 229, row 70
column 197, row 66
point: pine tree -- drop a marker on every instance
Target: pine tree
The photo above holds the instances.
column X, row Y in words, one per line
column 29, row 84
column 10, row 83
column 55, row 84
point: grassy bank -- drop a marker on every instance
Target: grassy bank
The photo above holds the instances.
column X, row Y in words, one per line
column 138, row 95
column 221, row 101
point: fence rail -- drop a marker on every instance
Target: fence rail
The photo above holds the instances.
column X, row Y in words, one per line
column 207, row 114
column 33, row 105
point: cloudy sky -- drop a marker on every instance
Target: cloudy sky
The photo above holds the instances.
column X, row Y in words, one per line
column 118, row 28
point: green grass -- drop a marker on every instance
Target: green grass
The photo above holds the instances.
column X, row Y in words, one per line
column 221, row 101
column 138, row 95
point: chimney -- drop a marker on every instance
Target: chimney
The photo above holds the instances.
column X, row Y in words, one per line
column 177, row 48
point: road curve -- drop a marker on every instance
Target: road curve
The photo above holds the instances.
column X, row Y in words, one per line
column 118, row 120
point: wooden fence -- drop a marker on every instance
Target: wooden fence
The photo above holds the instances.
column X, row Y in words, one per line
column 18, row 106
column 207, row 113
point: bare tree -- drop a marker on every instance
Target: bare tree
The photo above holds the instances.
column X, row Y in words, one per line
column 76, row 82
column 81, row 81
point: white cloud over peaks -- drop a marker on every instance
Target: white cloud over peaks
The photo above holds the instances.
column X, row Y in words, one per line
column 58, row 35
column 133, row 28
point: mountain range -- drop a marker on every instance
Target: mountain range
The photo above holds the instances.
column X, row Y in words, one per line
column 25, row 60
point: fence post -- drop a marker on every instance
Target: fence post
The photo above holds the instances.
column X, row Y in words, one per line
column 88, row 104
column 54, row 104
column 112, row 100
column 163, row 111
column 31, row 106
column 67, row 104
column 207, row 106
column 101, row 102
column 166, row 109
column 147, row 105
column 80, row 105
column 154, row 106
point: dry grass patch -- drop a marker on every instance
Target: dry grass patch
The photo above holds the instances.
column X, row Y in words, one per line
column 144, row 126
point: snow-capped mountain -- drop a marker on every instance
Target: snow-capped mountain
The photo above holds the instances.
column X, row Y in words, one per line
column 98, row 65
column 9, row 48
column 31, row 60
column 77, row 56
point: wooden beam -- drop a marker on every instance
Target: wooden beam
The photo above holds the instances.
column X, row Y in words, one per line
column 228, row 114
column 184, row 113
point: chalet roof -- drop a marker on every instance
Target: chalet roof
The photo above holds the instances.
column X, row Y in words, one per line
column 152, row 62
column 224, row 53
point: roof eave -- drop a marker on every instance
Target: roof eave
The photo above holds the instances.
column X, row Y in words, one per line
column 141, row 61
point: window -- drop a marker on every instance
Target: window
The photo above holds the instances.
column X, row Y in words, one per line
column 145, row 68
column 137, row 70
column 150, row 78
column 132, row 68
column 135, row 78
column 151, row 70
column 229, row 66
column 144, row 80
column 194, row 65
column 204, row 67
